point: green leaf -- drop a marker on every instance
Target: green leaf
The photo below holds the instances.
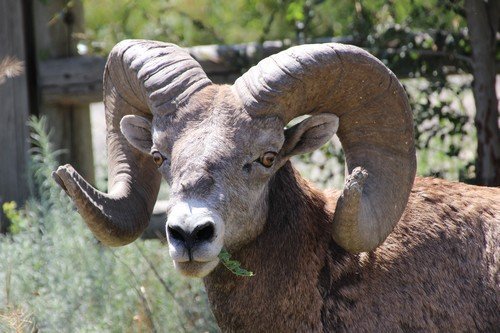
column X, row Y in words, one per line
column 17, row 223
column 295, row 12
column 233, row 265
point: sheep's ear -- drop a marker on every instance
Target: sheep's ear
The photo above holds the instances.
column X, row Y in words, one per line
column 137, row 131
column 310, row 134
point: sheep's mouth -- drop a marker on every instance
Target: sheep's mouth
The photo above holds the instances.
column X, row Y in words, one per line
column 195, row 268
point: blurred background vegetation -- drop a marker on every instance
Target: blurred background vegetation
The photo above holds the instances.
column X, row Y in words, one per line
column 54, row 276
column 426, row 42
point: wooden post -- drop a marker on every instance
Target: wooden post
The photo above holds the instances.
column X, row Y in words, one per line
column 57, row 22
column 14, row 110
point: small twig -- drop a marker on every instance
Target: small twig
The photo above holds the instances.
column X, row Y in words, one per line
column 59, row 16
column 203, row 27
column 267, row 27
column 144, row 301
column 7, row 286
column 147, row 307
column 161, row 237
column 430, row 53
column 165, row 286
column 158, row 276
column 443, row 54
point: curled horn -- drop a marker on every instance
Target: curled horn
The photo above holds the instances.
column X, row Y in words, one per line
column 375, row 128
column 143, row 78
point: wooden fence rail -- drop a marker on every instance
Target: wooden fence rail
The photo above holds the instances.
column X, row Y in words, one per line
column 78, row 80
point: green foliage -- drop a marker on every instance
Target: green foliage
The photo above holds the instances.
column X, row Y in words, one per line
column 295, row 11
column 201, row 22
column 233, row 265
column 55, row 277
column 444, row 129
column 15, row 218
column 415, row 38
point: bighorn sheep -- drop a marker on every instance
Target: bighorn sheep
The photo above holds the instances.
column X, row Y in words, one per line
column 323, row 261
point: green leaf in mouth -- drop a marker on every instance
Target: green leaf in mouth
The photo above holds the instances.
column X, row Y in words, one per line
column 233, row 265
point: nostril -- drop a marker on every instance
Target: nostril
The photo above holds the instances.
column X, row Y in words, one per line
column 204, row 232
column 176, row 234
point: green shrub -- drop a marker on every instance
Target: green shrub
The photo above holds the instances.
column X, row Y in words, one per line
column 57, row 278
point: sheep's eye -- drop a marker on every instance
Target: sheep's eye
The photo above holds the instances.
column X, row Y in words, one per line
column 158, row 158
column 267, row 159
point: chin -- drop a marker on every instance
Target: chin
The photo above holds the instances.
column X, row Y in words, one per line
column 196, row 268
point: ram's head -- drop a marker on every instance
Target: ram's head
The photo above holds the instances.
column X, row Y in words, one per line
column 219, row 146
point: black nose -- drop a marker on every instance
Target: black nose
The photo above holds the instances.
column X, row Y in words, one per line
column 201, row 233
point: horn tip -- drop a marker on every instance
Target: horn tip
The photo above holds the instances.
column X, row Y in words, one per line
column 356, row 180
column 63, row 176
column 59, row 181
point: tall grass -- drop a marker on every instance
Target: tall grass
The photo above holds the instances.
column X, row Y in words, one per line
column 55, row 277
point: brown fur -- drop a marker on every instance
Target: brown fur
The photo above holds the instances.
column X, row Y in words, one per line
column 437, row 272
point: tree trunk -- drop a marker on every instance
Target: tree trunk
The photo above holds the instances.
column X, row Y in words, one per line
column 482, row 21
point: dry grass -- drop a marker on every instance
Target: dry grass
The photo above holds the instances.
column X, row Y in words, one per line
column 17, row 320
column 10, row 67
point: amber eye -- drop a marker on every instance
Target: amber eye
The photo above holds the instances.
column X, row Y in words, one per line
column 158, row 158
column 268, row 159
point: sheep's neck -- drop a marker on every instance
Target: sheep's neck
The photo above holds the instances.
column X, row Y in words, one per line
column 286, row 259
